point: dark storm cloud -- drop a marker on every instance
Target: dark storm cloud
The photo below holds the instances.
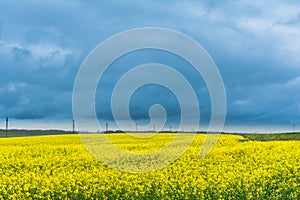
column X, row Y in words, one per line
column 255, row 44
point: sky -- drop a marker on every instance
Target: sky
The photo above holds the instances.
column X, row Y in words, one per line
column 255, row 45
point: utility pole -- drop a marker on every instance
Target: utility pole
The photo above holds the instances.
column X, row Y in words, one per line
column 73, row 126
column 136, row 127
column 170, row 129
column 106, row 126
column 6, row 130
column 294, row 127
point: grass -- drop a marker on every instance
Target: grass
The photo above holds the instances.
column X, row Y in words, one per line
column 26, row 132
column 272, row 136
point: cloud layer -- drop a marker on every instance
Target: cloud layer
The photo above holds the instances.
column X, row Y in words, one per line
column 255, row 44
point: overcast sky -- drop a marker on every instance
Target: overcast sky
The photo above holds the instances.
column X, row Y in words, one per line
column 255, row 44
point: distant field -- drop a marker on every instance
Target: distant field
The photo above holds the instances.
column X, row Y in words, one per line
column 250, row 136
column 60, row 167
column 273, row 136
column 22, row 133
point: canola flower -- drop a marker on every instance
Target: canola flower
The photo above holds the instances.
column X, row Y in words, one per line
column 60, row 167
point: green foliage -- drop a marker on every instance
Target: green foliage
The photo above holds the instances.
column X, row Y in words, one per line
column 273, row 136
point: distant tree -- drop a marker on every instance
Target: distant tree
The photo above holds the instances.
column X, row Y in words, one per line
column 108, row 131
column 119, row 131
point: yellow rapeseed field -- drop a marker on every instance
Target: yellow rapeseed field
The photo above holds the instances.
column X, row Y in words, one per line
column 60, row 167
